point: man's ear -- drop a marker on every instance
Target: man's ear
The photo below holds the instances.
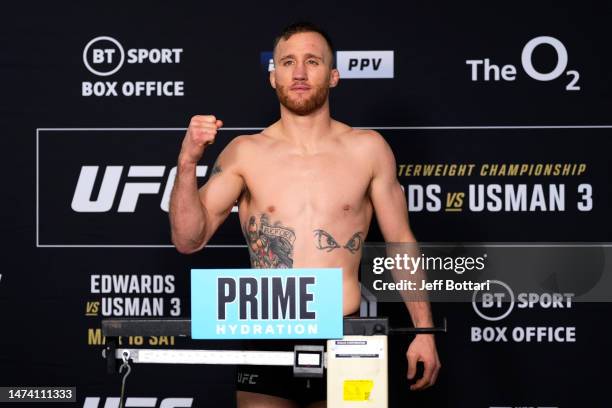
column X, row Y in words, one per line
column 272, row 79
column 334, row 77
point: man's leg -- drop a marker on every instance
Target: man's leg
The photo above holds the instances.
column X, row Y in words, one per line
column 247, row 399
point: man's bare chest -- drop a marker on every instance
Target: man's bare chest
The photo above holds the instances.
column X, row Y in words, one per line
column 319, row 183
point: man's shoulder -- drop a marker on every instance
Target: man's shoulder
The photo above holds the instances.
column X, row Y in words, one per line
column 238, row 151
column 367, row 135
column 244, row 142
column 366, row 139
column 369, row 146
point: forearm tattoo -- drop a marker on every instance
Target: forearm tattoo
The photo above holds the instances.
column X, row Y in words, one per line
column 270, row 245
column 325, row 242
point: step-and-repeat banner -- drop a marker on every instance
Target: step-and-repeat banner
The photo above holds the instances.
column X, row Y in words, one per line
column 498, row 115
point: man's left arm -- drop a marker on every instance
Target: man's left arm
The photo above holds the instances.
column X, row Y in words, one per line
column 389, row 202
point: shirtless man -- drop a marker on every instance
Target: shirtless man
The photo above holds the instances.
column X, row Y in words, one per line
column 308, row 174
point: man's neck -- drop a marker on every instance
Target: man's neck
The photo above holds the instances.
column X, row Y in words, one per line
column 305, row 131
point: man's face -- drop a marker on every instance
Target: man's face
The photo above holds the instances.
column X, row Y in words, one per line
column 303, row 73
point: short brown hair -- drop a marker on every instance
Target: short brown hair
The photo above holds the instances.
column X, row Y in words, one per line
column 304, row 27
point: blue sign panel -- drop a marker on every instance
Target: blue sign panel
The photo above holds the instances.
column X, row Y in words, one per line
column 303, row 303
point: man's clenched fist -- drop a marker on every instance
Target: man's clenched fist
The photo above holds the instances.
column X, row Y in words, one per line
column 200, row 133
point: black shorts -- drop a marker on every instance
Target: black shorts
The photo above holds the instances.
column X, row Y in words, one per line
column 279, row 381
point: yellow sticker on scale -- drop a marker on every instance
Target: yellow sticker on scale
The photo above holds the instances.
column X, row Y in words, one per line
column 357, row 390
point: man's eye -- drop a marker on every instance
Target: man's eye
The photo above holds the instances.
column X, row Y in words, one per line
column 313, row 62
column 286, row 63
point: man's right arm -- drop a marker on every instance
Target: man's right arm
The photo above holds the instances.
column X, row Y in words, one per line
column 196, row 214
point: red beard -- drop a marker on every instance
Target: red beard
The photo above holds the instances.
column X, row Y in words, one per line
column 302, row 106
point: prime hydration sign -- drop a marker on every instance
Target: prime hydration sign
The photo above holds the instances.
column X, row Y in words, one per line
column 266, row 303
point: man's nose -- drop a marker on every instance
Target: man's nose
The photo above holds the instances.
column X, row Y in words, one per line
column 299, row 72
